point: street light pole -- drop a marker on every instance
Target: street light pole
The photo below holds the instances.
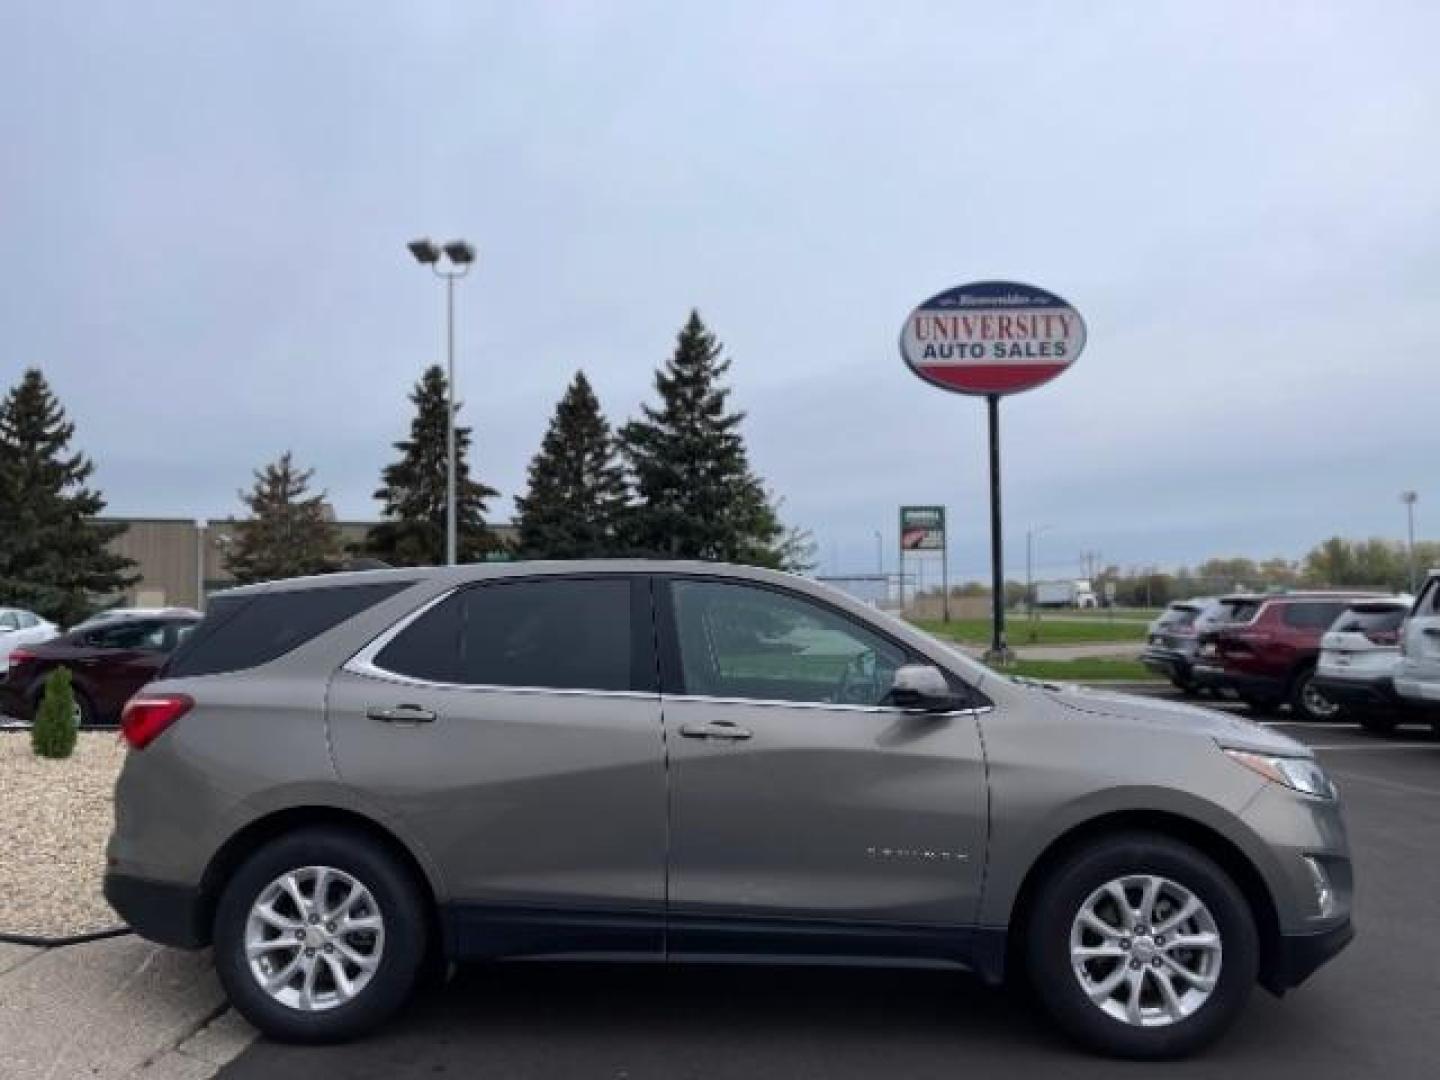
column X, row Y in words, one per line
column 461, row 254
column 1409, row 498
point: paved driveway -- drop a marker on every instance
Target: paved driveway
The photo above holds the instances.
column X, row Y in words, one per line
column 1373, row 1012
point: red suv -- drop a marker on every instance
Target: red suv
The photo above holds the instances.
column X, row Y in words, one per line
column 109, row 659
column 1266, row 650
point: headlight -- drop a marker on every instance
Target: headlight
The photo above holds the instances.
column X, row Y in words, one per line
column 1298, row 774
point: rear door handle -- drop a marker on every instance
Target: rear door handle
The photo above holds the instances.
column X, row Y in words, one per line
column 402, row 714
column 716, row 729
column 1433, row 631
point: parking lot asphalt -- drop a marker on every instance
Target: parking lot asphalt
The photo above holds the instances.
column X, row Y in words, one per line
column 1371, row 1012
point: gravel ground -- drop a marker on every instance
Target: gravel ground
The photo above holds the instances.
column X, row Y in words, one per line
column 54, row 820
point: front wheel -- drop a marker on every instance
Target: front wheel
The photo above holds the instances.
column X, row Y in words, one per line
column 1142, row 947
column 320, row 936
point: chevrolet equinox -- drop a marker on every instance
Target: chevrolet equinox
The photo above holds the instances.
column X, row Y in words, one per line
column 340, row 781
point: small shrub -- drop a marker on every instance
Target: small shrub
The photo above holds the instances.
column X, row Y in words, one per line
column 53, row 734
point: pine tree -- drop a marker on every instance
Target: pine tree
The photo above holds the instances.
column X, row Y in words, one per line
column 413, row 490
column 54, row 556
column 288, row 533
column 697, row 497
column 577, row 493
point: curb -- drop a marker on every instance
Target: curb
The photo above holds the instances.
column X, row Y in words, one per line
column 59, row 942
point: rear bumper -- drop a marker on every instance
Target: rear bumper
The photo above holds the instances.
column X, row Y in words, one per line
column 1371, row 692
column 160, row 911
column 1298, row 956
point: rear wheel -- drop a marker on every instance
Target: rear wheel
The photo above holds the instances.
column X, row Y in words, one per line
column 1142, row 947
column 320, row 936
column 1308, row 702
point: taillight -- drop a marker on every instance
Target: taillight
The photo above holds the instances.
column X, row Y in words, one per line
column 19, row 656
column 146, row 716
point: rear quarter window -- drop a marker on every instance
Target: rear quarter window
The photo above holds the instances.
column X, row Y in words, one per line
column 241, row 632
column 1237, row 611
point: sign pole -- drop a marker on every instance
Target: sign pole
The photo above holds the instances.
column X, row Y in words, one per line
column 999, row 651
column 988, row 339
column 945, row 580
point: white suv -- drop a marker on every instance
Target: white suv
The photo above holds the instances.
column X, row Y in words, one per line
column 1417, row 675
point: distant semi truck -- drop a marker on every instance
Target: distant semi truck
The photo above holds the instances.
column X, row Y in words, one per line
column 1065, row 594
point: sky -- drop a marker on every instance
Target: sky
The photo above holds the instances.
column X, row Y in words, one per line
column 203, row 213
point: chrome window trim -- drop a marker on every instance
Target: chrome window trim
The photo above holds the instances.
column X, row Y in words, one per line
column 363, row 663
column 827, row 706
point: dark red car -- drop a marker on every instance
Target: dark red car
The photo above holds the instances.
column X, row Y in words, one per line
column 109, row 660
column 1265, row 651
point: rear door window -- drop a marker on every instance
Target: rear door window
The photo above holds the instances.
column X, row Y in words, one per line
column 554, row 634
column 121, row 634
column 244, row 631
column 1312, row 615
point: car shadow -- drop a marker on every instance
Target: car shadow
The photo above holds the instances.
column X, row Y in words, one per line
column 561, row 1020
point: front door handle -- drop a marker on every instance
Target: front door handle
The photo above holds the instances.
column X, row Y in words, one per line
column 716, row 729
column 402, row 714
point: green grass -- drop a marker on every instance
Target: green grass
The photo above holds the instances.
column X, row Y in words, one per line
column 1064, row 630
column 1085, row 669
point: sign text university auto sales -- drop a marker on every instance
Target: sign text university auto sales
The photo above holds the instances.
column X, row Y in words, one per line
column 992, row 337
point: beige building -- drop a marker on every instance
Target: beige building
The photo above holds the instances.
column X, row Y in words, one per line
column 175, row 557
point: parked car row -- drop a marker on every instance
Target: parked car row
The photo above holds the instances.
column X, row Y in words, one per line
column 1371, row 656
column 110, row 657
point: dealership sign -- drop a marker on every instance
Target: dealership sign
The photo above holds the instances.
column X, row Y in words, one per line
column 922, row 528
column 992, row 337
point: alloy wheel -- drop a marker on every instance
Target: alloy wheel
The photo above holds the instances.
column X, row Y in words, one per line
column 314, row 938
column 1146, row 950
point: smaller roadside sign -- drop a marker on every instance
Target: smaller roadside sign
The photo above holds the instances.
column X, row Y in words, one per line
column 922, row 528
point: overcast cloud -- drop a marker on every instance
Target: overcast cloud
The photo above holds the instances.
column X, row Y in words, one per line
column 203, row 209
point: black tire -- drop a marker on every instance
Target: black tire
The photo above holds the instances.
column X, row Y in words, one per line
column 1299, row 703
column 1377, row 723
column 1185, row 686
column 401, row 904
column 1060, row 898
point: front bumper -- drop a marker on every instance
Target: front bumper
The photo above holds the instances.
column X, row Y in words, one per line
column 1167, row 662
column 159, row 911
column 1212, row 676
column 1298, row 956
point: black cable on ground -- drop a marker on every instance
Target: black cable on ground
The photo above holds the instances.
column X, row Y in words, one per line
column 57, row 942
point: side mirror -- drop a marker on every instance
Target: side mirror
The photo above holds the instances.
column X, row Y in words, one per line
column 922, row 688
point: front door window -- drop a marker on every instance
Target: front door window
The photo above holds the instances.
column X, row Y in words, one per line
column 742, row 641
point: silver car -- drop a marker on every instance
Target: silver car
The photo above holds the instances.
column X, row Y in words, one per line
column 340, row 781
column 1417, row 674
